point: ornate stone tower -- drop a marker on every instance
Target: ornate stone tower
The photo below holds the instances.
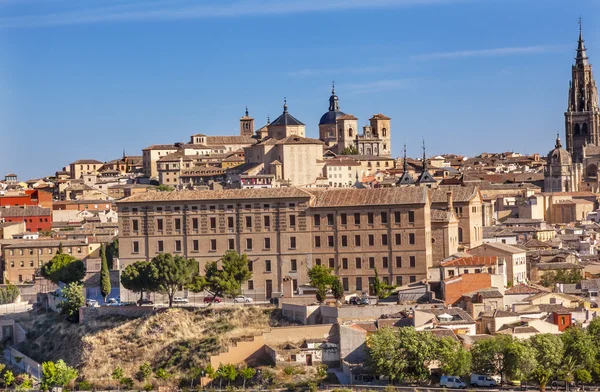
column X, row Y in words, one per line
column 327, row 125
column 247, row 125
column 347, row 126
column 380, row 129
column 582, row 118
column 560, row 174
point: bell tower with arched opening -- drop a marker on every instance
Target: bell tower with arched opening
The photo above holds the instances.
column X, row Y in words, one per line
column 582, row 118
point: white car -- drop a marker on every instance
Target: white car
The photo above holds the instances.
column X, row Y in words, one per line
column 242, row 299
column 180, row 300
column 452, row 382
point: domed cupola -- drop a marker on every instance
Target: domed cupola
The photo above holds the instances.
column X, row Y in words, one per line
column 559, row 155
column 334, row 109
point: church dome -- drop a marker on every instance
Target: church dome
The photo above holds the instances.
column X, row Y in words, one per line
column 334, row 110
column 559, row 155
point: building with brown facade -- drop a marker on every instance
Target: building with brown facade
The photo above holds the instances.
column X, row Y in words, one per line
column 23, row 259
column 286, row 231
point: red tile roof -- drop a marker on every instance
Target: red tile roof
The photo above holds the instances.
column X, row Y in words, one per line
column 471, row 261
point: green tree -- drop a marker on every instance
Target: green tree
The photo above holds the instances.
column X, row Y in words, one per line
column 9, row 294
column 117, row 375
column 593, row 331
column 582, row 376
column 57, row 374
column 579, row 345
column 63, row 268
column 453, row 357
column 321, row 278
column 105, row 287
column 350, row 150
column 224, row 281
column 162, row 374
column 226, row 372
column 337, row 289
column 74, row 299
column 380, row 288
column 140, row 277
column 8, row 378
column 568, row 369
column 505, row 356
column 24, row 383
column 549, row 350
column 401, row 354
column 247, row 373
column 145, row 371
column 165, row 188
column 542, row 376
column 112, row 251
column 174, row 273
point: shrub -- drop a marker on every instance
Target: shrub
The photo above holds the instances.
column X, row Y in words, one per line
column 84, row 386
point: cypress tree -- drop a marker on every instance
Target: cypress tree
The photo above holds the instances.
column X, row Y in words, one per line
column 104, row 274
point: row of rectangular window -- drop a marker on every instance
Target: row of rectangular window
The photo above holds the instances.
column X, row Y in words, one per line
column 229, row 207
column 213, row 223
column 292, row 220
column 358, row 261
column 370, row 218
column 40, row 251
column 370, row 238
column 22, row 263
column 160, row 245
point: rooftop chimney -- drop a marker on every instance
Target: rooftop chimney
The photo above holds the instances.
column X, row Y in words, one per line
column 450, row 201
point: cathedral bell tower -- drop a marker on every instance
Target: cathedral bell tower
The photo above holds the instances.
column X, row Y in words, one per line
column 247, row 125
column 582, row 118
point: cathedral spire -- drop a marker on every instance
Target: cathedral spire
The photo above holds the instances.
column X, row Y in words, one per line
column 334, row 105
column 581, row 58
column 558, row 143
column 425, row 165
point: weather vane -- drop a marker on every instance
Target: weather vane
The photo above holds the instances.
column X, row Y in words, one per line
column 580, row 21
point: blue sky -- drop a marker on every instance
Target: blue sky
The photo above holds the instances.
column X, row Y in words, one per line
column 89, row 78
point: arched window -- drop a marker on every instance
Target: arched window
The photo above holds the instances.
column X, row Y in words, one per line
column 592, row 170
column 577, row 130
column 350, row 132
column 460, row 235
column 584, row 129
column 384, row 132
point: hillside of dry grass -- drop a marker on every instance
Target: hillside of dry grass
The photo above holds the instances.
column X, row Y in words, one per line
column 173, row 339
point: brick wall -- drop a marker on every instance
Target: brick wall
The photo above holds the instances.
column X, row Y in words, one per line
column 454, row 288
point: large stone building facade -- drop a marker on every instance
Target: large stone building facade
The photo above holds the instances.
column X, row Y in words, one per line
column 286, row 231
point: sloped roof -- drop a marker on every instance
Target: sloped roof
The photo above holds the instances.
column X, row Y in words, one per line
column 460, row 193
column 470, row 261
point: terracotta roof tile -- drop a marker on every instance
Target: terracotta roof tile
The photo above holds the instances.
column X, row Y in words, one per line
column 470, row 261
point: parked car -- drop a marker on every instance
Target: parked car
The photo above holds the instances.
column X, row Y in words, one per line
column 452, row 382
column 112, row 301
column 242, row 299
column 480, row 380
column 145, row 301
column 208, row 300
column 354, row 300
column 364, row 301
column 180, row 300
column 92, row 303
column 555, row 384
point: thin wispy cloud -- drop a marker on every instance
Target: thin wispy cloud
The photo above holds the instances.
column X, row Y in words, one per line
column 307, row 72
column 508, row 51
column 379, row 86
column 82, row 13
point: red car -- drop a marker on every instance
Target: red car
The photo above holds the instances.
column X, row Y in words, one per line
column 208, row 300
